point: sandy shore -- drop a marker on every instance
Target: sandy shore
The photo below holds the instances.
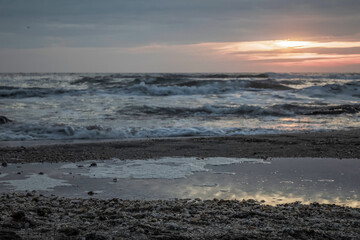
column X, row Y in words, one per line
column 37, row 217
column 31, row 216
column 337, row 144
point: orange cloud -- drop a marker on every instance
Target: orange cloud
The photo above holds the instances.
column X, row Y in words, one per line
column 289, row 53
column 276, row 52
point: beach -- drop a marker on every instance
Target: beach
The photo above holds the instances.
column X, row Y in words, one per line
column 32, row 215
column 230, row 120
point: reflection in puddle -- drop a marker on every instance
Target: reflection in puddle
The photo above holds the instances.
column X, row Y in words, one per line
column 276, row 181
column 36, row 182
column 3, row 175
column 275, row 196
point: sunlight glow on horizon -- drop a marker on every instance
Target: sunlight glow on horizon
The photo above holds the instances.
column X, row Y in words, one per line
column 292, row 53
column 257, row 56
column 286, row 53
column 280, row 45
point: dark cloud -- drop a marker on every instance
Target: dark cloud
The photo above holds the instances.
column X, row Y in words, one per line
column 93, row 23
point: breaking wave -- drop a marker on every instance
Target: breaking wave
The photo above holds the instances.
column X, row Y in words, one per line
column 35, row 132
column 115, row 106
column 184, row 84
column 201, row 87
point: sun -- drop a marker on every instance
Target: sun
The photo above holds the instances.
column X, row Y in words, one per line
column 292, row 44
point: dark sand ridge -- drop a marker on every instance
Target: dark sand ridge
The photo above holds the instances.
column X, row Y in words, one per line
column 335, row 144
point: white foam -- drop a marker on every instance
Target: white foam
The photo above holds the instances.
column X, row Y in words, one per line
column 206, row 185
column 208, row 88
column 36, row 182
column 287, row 182
column 326, row 180
column 306, row 180
column 163, row 168
column 33, row 132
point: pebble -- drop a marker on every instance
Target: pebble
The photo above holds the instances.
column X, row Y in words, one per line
column 18, row 216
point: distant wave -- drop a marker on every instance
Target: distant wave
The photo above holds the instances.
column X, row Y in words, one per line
column 350, row 89
column 148, row 86
column 160, row 87
column 348, row 76
column 17, row 92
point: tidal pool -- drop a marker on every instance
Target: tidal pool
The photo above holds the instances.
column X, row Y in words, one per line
column 278, row 180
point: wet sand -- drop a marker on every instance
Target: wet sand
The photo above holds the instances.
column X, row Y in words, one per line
column 336, row 144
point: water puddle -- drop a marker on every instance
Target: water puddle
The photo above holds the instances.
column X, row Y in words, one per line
column 36, row 182
column 275, row 181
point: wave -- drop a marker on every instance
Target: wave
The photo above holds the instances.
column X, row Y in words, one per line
column 168, row 76
column 22, row 132
column 18, row 92
column 205, row 110
column 309, row 76
column 150, row 89
column 151, row 85
column 193, row 87
column 186, row 87
column 334, row 110
column 349, row 89
column 243, row 110
column 176, row 84
column 181, row 84
column 38, row 76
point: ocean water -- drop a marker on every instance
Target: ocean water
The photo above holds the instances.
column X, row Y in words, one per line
column 118, row 106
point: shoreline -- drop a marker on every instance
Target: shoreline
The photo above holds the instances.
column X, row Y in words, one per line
column 332, row 144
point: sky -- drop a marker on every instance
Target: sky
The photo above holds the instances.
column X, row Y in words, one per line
column 180, row 36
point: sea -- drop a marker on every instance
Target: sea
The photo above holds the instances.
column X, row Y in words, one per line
column 62, row 106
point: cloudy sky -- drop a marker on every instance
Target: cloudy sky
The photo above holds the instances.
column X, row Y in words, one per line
column 179, row 36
